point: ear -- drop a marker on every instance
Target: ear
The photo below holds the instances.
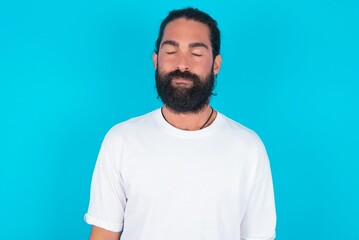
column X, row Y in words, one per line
column 155, row 60
column 217, row 64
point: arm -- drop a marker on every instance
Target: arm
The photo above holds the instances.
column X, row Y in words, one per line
column 107, row 196
column 98, row 233
column 259, row 220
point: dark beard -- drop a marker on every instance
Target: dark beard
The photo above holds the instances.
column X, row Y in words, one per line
column 181, row 99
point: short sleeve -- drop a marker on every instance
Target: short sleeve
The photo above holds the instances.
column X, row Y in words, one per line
column 259, row 220
column 107, row 197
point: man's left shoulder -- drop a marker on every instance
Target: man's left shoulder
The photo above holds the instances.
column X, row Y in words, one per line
column 240, row 132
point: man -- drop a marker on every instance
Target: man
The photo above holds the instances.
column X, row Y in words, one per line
column 184, row 171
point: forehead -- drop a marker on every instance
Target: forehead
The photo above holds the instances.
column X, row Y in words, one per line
column 186, row 31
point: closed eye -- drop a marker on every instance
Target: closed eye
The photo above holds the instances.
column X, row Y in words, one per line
column 170, row 53
column 197, row 55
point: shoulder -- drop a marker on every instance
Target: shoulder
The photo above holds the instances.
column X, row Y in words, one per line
column 239, row 132
column 131, row 127
column 246, row 140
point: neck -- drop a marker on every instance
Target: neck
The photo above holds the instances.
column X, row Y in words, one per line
column 190, row 121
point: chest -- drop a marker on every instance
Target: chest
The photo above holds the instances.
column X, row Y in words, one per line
column 183, row 169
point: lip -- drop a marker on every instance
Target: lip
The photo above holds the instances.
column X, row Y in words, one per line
column 181, row 81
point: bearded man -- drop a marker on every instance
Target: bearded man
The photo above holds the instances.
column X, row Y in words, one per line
column 184, row 171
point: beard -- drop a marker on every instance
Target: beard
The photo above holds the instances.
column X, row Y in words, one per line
column 185, row 99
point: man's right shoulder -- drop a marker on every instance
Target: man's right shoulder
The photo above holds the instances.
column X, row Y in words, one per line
column 132, row 126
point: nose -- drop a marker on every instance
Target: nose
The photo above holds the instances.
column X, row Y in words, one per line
column 183, row 63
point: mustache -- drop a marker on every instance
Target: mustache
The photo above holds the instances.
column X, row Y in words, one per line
column 185, row 75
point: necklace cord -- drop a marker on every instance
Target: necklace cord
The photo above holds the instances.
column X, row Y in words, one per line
column 209, row 118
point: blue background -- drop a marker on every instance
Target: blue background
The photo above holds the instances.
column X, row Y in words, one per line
column 70, row 70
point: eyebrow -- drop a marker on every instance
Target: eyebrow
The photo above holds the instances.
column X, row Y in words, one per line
column 198, row 44
column 170, row 42
column 191, row 45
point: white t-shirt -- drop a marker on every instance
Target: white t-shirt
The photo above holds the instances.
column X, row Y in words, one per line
column 157, row 182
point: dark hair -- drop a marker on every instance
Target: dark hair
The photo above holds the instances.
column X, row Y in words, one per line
column 196, row 15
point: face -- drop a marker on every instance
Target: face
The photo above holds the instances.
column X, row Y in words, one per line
column 185, row 67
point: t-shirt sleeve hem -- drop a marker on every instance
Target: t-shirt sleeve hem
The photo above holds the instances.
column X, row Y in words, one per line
column 114, row 227
column 258, row 238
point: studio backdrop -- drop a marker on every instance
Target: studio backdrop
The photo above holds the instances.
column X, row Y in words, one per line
column 70, row 70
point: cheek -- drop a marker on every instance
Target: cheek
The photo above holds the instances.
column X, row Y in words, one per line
column 210, row 65
column 165, row 63
column 205, row 67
